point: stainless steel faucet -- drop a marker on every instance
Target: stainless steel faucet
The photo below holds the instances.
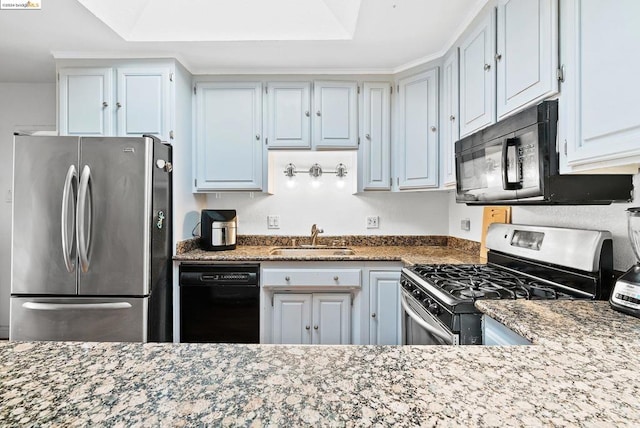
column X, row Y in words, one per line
column 314, row 234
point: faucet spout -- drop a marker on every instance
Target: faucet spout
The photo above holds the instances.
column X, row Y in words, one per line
column 314, row 234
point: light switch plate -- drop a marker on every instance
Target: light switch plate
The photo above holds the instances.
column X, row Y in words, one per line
column 373, row 222
column 465, row 224
column 273, row 222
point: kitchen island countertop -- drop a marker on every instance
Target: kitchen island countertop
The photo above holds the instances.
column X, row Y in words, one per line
column 582, row 370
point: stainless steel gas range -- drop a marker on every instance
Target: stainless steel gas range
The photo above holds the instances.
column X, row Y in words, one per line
column 523, row 262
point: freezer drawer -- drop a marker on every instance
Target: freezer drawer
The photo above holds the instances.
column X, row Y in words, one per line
column 79, row 319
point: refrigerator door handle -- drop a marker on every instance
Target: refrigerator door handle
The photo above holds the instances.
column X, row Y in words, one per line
column 74, row 306
column 67, row 241
column 83, row 225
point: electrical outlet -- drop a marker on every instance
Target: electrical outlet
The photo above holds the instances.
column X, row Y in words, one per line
column 465, row 224
column 373, row 222
column 273, row 222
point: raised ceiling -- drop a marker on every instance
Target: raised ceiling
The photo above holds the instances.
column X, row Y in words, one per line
column 233, row 36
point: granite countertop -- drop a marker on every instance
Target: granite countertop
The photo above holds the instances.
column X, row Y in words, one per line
column 583, row 370
column 405, row 254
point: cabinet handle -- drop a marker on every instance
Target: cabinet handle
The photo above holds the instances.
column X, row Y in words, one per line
column 286, row 278
column 306, row 113
column 367, row 136
column 373, row 315
column 452, row 118
column 118, row 105
column 105, row 104
column 307, row 328
column 318, row 113
column 335, row 278
column 434, row 129
column 498, row 57
column 487, row 67
column 315, row 327
column 257, row 136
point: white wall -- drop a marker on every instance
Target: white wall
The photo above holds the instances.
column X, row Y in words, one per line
column 607, row 217
column 22, row 106
column 336, row 210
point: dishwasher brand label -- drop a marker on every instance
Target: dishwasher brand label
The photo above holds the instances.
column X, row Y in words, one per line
column 21, row 5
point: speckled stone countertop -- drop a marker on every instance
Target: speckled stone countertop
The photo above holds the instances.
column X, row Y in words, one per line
column 582, row 371
column 404, row 254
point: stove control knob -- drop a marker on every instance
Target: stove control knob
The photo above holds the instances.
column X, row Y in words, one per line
column 427, row 302
column 416, row 292
column 434, row 309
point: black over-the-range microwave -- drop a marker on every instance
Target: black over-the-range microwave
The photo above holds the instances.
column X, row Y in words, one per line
column 515, row 162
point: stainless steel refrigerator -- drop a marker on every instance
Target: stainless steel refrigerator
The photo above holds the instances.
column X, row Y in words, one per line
column 91, row 241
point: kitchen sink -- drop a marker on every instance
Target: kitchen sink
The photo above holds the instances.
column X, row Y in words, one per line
column 312, row 251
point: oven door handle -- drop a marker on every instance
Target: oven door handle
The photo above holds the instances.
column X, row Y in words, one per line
column 415, row 317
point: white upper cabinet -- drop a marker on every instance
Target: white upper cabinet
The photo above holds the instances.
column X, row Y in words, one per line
column 599, row 109
column 477, row 77
column 375, row 137
column 335, row 116
column 450, row 131
column 229, row 148
column 137, row 104
column 289, row 115
column 417, row 142
column 142, row 103
column 527, row 53
column 85, row 101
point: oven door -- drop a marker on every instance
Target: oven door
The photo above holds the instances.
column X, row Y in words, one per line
column 419, row 327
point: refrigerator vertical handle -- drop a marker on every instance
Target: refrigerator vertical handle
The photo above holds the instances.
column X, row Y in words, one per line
column 67, row 241
column 83, row 222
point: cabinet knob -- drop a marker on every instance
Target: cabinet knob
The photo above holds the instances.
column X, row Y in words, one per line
column 318, row 113
column 118, row 105
column 315, row 327
column 335, row 278
column 105, row 104
column 487, row 67
column 286, row 278
column 257, row 136
column 452, row 118
column 367, row 136
column 373, row 315
column 498, row 57
column 434, row 129
column 306, row 113
column 307, row 328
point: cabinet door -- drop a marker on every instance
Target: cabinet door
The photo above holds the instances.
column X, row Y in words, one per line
column 417, row 131
column 599, row 115
column 85, row 101
column 289, row 115
column 292, row 318
column 332, row 319
column 335, row 123
column 384, row 306
column 229, row 153
column 143, row 102
column 375, row 150
column 477, row 78
column 450, row 131
column 527, row 53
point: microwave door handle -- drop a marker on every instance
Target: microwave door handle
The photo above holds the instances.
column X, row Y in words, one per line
column 506, row 184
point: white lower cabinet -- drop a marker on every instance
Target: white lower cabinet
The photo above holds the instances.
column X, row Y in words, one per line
column 317, row 318
column 384, row 308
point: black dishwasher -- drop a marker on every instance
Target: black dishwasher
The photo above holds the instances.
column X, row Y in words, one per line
column 220, row 303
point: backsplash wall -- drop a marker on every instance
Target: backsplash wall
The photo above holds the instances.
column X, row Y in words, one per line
column 336, row 210
column 601, row 217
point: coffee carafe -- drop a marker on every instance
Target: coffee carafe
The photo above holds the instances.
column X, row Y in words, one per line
column 625, row 296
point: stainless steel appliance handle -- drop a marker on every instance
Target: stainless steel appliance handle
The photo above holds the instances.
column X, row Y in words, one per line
column 83, row 229
column 431, row 329
column 74, row 306
column 67, row 243
column 506, row 184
